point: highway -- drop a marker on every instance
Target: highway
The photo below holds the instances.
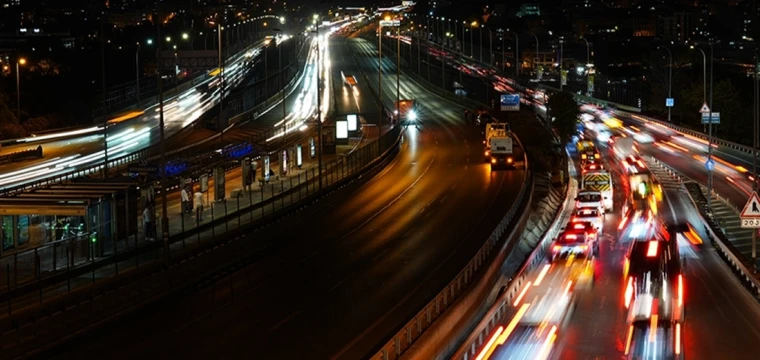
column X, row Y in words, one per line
column 64, row 156
column 138, row 129
column 722, row 321
column 343, row 276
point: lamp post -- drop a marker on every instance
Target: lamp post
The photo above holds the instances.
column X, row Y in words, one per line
column 535, row 58
column 480, row 42
column 561, row 50
column 186, row 37
column 380, row 71
column 490, row 46
column 670, row 77
column 474, row 24
column 279, row 65
column 517, row 52
column 709, row 125
column 755, row 135
column 103, row 89
column 162, row 146
column 20, row 61
column 137, row 73
column 588, row 61
column 398, row 72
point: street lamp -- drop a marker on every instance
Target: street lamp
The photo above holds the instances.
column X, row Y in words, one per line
column 709, row 124
column 21, row 61
column 473, row 25
column 168, row 39
column 282, row 19
column 279, row 65
column 149, row 41
column 137, row 73
column 535, row 58
column 490, row 45
column 670, row 77
column 185, row 36
column 588, row 61
column 517, row 53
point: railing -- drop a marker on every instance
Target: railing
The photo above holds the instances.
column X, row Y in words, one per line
column 497, row 314
column 403, row 339
column 43, row 269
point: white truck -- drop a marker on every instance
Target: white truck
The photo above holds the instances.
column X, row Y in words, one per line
column 601, row 181
column 499, row 146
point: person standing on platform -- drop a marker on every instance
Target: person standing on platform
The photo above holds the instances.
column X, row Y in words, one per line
column 199, row 202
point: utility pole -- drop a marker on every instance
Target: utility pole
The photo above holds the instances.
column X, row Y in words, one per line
column 398, row 72
column 756, row 127
column 319, row 106
column 221, row 84
column 709, row 135
column 162, row 146
column 103, row 89
column 380, row 75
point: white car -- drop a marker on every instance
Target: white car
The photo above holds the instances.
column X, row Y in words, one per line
column 591, row 215
column 590, row 199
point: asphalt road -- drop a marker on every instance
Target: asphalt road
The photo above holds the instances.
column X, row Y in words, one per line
column 723, row 320
column 351, row 274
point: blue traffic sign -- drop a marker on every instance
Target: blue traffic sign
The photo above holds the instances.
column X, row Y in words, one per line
column 669, row 102
column 510, row 102
column 711, row 117
column 710, row 165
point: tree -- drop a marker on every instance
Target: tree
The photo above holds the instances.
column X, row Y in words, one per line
column 6, row 115
column 734, row 118
column 565, row 111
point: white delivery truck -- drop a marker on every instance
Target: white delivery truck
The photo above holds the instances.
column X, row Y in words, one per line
column 500, row 146
column 601, row 181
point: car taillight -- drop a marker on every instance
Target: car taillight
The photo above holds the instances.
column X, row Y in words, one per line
column 493, row 161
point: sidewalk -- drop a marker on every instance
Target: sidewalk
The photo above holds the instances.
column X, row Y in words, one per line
column 186, row 234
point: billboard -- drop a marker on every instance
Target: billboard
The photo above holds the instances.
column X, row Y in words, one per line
column 341, row 129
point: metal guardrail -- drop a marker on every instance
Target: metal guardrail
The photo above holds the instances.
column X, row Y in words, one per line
column 498, row 312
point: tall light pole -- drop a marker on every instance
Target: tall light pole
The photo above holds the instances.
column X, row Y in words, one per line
column 20, row 61
column 103, row 89
column 517, row 52
column 670, row 77
column 137, row 73
column 588, row 61
column 398, row 72
column 473, row 25
column 162, row 146
column 709, row 127
column 220, row 60
column 319, row 101
column 561, row 50
column 755, row 135
column 480, row 42
column 380, row 71
column 279, row 65
column 535, row 58
column 709, row 135
column 490, row 45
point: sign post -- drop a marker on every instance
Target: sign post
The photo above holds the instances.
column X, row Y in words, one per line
column 750, row 215
column 670, row 102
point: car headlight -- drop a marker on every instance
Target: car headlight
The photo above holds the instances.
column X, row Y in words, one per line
column 411, row 115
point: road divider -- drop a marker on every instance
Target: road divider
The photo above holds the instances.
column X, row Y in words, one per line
column 35, row 153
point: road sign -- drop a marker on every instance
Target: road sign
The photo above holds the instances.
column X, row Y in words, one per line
column 143, row 169
column 751, row 213
column 705, row 108
column 510, row 102
column 393, row 22
column 708, row 118
column 669, row 102
column 710, row 165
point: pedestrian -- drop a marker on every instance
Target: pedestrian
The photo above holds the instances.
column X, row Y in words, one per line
column 199, row 202
column 147, row 216
column 186, row 206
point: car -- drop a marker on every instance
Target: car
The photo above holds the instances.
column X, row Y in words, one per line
column 592, row 215
column 634, row 164
column 653, row 271
column 590, row 199
column 580, row 239
column 592, row 167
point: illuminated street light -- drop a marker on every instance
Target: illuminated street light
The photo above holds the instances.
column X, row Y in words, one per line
column 168, row 39
column 185, row 36
column 149, row 41
column 282, row 20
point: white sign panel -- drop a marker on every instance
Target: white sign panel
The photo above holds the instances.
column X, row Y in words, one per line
column 353, row 122
column 341, row 129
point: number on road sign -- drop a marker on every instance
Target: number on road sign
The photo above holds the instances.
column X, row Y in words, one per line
column 750, row 223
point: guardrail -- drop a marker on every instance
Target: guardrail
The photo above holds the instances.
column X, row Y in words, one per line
column 498, row 312
column 35, row 153
column 745, row 274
